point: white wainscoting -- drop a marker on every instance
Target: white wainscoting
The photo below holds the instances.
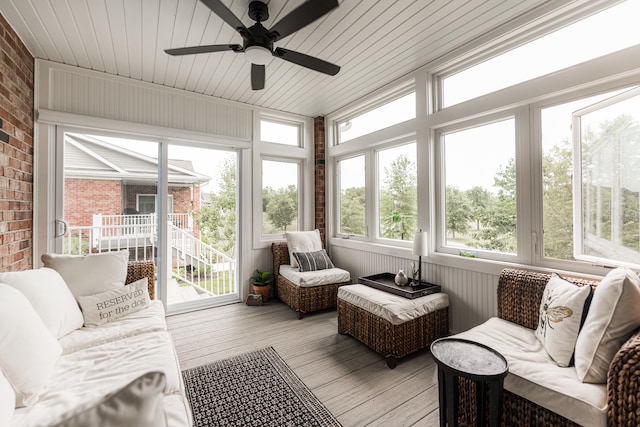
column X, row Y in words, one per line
column 472, row 295
column 90, row 93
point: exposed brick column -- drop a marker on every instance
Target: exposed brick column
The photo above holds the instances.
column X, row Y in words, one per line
column 319, row 176
column 16, row 155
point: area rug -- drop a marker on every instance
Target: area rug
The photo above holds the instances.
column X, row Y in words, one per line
column 253, row 389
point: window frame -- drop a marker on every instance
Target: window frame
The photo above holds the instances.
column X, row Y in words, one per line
column 281, row 121
column 372, row 199
column 303, row 155
column 299, row 181
column 611, row 71
column 520, row 117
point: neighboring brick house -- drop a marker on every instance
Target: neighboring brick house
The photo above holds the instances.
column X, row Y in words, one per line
column 104, row 178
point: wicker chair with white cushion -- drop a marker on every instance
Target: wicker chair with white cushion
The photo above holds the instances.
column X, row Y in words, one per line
column 315, row 288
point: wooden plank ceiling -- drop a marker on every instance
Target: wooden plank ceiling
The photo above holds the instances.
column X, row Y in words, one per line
column 374, row 41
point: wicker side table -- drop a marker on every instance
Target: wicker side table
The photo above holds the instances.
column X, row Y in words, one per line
column 457, row 357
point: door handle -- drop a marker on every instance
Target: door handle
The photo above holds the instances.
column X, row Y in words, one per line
column 61, row 228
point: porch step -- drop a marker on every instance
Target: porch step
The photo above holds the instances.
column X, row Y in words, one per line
column 177, row 293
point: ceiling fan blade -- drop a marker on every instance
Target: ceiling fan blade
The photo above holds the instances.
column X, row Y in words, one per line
column 307, row 61
column 204, row 49
column 257, row 77
column 223, row 12
column 302, row 16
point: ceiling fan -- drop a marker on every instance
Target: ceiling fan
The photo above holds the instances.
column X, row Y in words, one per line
column 258, row 41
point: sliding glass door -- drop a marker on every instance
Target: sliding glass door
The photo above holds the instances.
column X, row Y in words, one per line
column 164, row 201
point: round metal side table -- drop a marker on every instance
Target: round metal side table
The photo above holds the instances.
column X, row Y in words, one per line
column 458, row 357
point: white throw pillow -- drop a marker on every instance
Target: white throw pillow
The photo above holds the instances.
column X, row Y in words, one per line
column 612, row 318
column 50, row 297
column 7, row 400
column 563, row 309
column 108, row 306
column 90, row 274
column 139, row 404
column 28, row 351
column 302, row 241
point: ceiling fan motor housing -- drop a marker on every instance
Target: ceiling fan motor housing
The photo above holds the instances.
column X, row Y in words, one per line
column 258, row 11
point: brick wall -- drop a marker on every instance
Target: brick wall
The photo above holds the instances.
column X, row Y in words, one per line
column 85, row 197
column 319, row 176
column 16, row 156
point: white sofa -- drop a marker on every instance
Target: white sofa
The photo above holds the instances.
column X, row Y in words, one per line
column 539, row 392
column 100, row 368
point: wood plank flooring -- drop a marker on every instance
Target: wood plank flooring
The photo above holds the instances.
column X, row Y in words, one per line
column 351, row 380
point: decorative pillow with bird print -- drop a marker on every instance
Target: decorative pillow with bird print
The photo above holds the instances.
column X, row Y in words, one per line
column 563, row 308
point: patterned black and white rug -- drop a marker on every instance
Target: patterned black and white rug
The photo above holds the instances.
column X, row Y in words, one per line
column 253, row 389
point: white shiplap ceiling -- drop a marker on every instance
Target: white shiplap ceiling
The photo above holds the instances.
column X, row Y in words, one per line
column 374, row 41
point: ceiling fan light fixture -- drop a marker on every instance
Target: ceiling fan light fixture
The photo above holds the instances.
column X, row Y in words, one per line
column 258, row 55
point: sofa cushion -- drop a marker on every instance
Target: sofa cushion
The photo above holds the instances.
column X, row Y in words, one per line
column 139, row 403
column 393, row 308
column 87, row 375
column 302, row 241
column 151, row 319
column 50, row 296
column 90, row 274
column 28, row 351
column 612, row 318
column 534, row 375
column 7, row 400
column 111, row 305
column 313, row 261
column 314, row 278
column 563, row 308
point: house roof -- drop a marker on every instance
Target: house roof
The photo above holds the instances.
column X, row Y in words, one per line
column 374, row 42
column 90, row 157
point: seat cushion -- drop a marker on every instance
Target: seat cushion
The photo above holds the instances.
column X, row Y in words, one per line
column 314, row 278
column 90, row 374
column 534, row 375
column 394, row 308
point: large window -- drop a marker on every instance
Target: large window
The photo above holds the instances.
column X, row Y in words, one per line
column 378, row 196
column 391, row 113
column 398, row 195
column 279, row 196
column 591, row 208
column 352, row 198
column 480, row 188
column 542, row 173
column 280, row 132
column 594, row 36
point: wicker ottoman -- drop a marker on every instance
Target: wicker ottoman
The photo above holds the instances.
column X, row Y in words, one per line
column 389, row 324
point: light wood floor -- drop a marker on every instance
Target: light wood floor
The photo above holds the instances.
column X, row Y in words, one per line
column 351, row 380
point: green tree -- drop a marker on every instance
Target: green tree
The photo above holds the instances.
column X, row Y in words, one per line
column 217, row 219
column 499, row 221
column 398, row 200
column 352, row 214
column 282, row 208
column 458, row 211
column 480, row 200
column 557, row 167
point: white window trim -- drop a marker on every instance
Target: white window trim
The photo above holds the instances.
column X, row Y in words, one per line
column 287, row 153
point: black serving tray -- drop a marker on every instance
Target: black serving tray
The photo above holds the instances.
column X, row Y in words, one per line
column 386, row 282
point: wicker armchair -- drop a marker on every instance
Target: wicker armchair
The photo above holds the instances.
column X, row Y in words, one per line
column 137, row 270
column 519, row 296
column 301, row 299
